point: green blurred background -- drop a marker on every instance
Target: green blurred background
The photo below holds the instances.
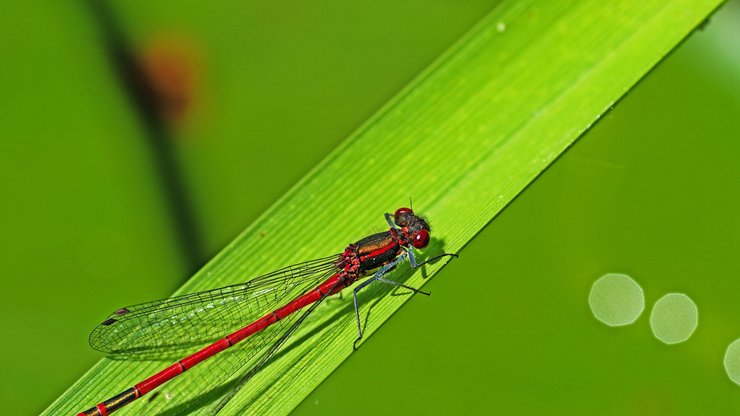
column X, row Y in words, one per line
column 109, row 199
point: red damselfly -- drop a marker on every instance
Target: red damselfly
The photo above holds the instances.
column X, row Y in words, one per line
column 247, row 320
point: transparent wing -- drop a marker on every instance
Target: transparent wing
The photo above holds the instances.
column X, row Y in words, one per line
column 174, row 324
column 207, row 387
column 245, row 373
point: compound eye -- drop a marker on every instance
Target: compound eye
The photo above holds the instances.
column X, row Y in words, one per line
column 401, row 214
column 421, row 240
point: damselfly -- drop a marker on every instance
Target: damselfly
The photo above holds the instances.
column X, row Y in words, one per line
column 248, row 318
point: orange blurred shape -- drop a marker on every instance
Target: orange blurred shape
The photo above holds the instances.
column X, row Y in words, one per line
column 171, row 68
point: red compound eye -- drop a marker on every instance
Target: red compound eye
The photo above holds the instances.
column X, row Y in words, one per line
column 401, row 214
column 422, row 239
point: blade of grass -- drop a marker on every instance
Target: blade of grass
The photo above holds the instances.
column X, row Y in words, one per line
column 463, row 140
